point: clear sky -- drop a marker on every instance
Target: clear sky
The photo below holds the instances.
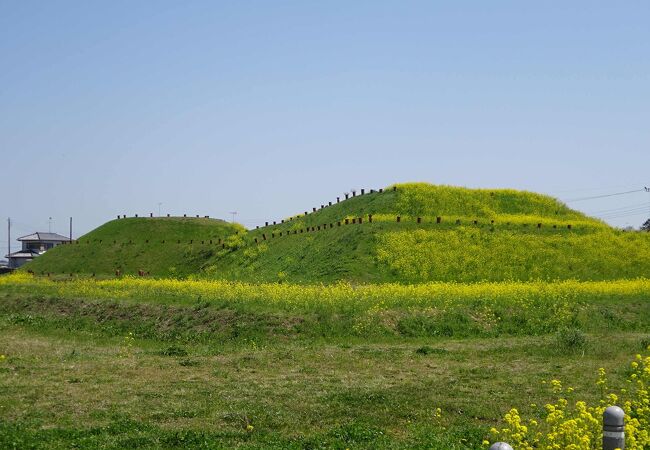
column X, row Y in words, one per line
column 271, row 107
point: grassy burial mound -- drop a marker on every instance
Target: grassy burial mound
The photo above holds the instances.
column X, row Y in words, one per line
column 175, row 246
column 444, row 234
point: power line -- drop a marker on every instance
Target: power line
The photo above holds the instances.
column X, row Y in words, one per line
column 605, row 211
column 620, row 216
column 633, row 212
column 603, row 196
column 624, row 211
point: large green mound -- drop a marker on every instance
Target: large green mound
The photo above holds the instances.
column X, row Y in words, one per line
column 175, row 246
column 443, row 234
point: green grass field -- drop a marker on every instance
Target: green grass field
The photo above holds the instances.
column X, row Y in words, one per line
column 379, row 335
column 180, row 364
column 517, row 236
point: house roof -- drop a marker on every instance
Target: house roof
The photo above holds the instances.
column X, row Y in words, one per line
column 40, row 236
column 31, row 253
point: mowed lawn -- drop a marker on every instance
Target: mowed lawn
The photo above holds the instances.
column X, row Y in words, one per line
column 66, row 388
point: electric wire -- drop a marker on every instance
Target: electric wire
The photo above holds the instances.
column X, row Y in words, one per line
column 580, row 199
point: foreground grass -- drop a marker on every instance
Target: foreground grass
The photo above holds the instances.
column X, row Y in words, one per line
column 136, row 363
column 63, row 388
column 206, row 308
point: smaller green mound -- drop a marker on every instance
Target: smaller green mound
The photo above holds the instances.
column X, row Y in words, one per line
column 175, row 246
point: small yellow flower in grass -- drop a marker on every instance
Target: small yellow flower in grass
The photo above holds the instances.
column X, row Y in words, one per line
column 486, row 443
column 2, row 357
column 249, row 427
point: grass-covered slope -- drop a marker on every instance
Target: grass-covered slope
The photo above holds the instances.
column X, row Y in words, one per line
column 161, row 246
column 481, row 234
column 517, row 236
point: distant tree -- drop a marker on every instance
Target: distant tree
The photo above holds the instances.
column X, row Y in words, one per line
column 646, row 225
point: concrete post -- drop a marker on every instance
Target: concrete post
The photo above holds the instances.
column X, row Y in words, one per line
column 613, row 428
column 500, row 446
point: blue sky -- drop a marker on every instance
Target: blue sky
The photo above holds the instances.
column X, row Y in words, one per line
column 269, row 108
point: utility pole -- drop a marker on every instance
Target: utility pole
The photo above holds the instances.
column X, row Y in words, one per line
column 70, row 229
column 49, row 225
column 647, row 189
column 9, row 236
column 234, row 213
column 159, row 205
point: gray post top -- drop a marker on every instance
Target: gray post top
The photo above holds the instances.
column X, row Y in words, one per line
column 614, row 417
column 500, row 446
